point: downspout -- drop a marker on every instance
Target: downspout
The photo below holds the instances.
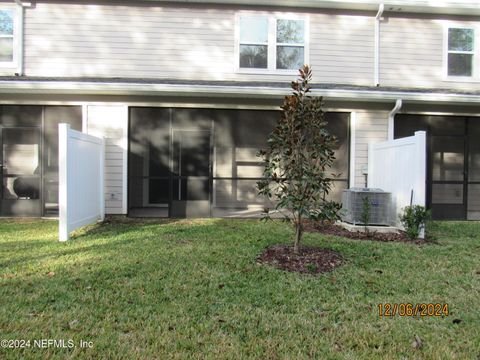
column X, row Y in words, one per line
column 378, row 17
column 391, row 117
column 21, row 13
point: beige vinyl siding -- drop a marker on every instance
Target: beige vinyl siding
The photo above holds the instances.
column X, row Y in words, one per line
column 180, row 43
column 412, row 53
column 187, row 41
column 110, row 122
column 128, row 41
column 342, row 48
column 371, row 127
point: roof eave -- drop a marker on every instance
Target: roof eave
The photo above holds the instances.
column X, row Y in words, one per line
column 409, row 6
column 217, row 91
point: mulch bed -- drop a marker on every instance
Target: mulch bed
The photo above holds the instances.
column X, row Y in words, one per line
column 337, row 230
column 310, row 260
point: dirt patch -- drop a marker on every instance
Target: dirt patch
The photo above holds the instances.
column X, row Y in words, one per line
column 310, row 260
column 336, row 230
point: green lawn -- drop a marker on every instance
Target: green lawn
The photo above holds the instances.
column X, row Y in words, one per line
column 192, row 289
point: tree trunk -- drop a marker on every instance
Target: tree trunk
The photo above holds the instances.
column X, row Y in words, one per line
column 298, row 235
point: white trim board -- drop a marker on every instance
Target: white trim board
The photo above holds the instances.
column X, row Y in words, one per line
column 219, row 91
column 401, row 6
column 353, row 144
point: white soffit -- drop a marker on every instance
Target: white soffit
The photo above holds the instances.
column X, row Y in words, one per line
column 189, row 90
column 453, row 7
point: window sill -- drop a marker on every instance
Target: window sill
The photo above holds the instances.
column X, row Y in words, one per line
column 8, row 65
column 8, row 69
column 466, row 79
column 266, row 72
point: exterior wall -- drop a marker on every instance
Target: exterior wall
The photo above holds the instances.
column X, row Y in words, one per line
column 342, row 48
column 111, row 122
column 154, row 42
column 371, row 126
column 412, row 53
column 192, row 41
column 174, row 42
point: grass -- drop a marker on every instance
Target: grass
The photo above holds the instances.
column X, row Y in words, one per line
column 192, row 289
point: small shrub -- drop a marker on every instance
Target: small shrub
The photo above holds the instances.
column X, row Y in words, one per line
column 311, row 267
column 413, row 218
column 365, row 215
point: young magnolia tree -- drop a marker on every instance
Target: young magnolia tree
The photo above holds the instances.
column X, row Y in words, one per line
column 299, row 155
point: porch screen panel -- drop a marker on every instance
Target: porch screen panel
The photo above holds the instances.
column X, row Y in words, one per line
column 338, row 126
column 54, row 115
column 20, row 115
column 181, row 157
column 407, row 125
column 239, row 135
column 474, row 150
column 473, row 198
column 149, row 158
column 191, row 131
column 447, row 157
column 191, row 162
column 21, row 155
column 43, row 120
column 447, row 142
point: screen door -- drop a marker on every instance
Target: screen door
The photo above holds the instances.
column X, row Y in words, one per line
column 191, row 175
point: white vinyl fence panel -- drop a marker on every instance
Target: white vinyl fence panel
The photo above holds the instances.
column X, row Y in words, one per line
column 81, row 180
column 399, row 166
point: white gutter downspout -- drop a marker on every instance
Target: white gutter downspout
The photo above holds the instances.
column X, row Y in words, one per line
column 391, row 117
column 376, row 80
column 20, row 27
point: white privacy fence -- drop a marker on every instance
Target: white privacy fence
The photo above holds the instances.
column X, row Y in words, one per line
column 81, row 180
column 399, row 166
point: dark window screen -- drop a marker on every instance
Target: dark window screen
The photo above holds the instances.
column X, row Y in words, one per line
column 149, row 157
column 239, row 135
column 54, row 115
column 43, row 120
column 188, row 155
column 453, row 162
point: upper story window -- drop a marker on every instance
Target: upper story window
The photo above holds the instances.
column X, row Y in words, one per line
column 290, row 44
column 254, row 42
column 271, row 43
column 460, row 52
column 7, row 33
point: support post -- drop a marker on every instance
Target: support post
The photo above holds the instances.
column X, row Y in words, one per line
column 63, row 231
column 102, row 181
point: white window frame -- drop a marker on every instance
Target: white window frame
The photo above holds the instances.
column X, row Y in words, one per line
column 475, row 57
column 272, row 42
column 13, row 63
